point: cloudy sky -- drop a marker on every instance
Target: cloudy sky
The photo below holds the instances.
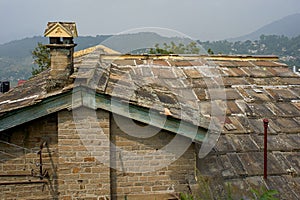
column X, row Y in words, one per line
column 199, row 19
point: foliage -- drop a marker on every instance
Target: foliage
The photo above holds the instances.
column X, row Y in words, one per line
column 210, row 52
column 186, row 196
column 204, row 188
column 229, row 192
column 41, row 57
column 286, row 48
column 265, row 194
column 16, row 58
column 205, row 192
column 172, row 48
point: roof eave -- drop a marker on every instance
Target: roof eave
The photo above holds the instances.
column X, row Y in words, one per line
column 81, row 96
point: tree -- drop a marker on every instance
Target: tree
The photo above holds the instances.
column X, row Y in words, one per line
column 172, row 48
column 210, row 52
column 41, row 57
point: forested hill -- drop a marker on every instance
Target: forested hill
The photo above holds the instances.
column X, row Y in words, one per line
column 23, row 48
column 288, row 49
column 16, row 61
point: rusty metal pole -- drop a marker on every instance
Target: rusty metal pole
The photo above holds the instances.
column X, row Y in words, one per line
column 41, row 159
column 266, row 123
column 41, row 162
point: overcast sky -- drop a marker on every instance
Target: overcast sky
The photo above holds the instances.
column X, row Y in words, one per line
column 199, row 19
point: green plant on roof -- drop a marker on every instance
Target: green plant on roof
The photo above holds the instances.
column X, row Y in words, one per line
column 205, row 193
column 265, row 194
column 186, row 196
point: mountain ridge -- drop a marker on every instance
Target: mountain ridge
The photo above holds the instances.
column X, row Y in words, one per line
column 16, row 62
column 288, row 26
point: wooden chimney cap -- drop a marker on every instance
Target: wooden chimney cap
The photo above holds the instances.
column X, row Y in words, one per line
column 61, row 29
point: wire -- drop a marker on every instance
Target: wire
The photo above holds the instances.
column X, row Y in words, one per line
column 8, row 154
column 14, row 145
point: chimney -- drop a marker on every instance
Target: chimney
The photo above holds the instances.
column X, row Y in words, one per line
column 61, row 47
column 4, row 86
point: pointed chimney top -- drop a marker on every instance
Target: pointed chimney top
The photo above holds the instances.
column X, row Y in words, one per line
column 61, row 29
column 61, row 47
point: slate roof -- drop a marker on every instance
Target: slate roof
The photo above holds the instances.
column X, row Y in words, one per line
column 190, row 87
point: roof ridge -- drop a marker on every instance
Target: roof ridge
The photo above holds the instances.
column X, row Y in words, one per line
column 89, row 50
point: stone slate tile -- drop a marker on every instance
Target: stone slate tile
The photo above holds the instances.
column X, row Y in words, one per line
column 280, row 184
column 200, row 93
column 293, row 160
column 244, row 143
column 257, row 126
column 268, row 64
column 281, row 94
column 274, row 81
column 227, row 168
column 290, row 81
column 254, row 163
column 288, row 109
column 163, row 72
column 224, row 144
column 239, row 189
column 237, row 164
column 192, row 73
column 287, row 125
column 274, row 142
column 282, row 72
column 208, row 165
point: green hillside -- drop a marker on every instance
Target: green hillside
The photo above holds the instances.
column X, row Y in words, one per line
column 16, row 62
column 288, row 49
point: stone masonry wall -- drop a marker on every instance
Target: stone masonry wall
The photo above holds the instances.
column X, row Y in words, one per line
column 83, row 145
column 80, row 157
column 140, row 167
column 86, row 155
column 19, row 161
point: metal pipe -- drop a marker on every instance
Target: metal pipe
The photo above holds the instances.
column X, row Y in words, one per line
column 23, row 182
column 15, row 175
column 266, row 123
column 41, row 158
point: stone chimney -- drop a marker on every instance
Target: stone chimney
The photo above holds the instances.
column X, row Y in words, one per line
column 61, row 47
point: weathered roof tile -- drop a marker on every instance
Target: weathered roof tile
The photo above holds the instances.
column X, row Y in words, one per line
column 233, row 108
column 244, row 143
column 237, row 163
column 287, row 125
column 192, row 88
column 275, row 142
column 224, row 144
column 281, row 94
column 286, row 192
column 282, row 72
column 253, row 163
column 192, row 72
column 257, row 72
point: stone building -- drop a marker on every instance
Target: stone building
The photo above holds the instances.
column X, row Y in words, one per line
column 101, row 125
